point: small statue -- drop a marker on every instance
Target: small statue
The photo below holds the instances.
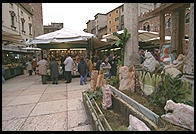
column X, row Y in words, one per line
column 100, row 78
column 127, row 78
column 166, row 57
column 107, row 100
column 179, row 62
column 93, row 80
column 150, row 63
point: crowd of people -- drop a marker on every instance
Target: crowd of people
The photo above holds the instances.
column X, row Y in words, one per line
column 70, row 65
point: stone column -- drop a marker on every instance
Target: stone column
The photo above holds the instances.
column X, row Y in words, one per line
column 175, row 29
column 178, row 26
column 131, row 56
column 162, row 29
column 189, row 61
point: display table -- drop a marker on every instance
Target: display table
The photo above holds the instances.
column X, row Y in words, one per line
column 12, row 72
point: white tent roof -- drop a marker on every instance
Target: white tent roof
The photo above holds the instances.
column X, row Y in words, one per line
column 142, row 35
column 32, row 48
column 60, row 36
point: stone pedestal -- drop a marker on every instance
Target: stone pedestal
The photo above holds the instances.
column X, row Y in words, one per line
column 131, row 56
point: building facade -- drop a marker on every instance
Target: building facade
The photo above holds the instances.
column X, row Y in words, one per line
column 100, row 22
column 21, row 22
column 53, row 27
column 16, row 21
column 113, row 20
column 152, row 23
column 91, row 26
column 36, row 9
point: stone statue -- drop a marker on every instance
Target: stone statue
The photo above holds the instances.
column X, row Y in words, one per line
column 182, row 115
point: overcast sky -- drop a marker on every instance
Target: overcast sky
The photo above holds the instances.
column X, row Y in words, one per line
column 74, row 15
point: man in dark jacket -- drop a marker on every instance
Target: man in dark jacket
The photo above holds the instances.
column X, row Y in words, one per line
column 113, row 62
column 54, row 71
column 83, row 70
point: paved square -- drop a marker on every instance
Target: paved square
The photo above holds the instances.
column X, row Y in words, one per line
column 18, row 111
column 77, row 118
column 27, row 99
column 49, row 107
column 53, row 96
column 7, row 100
column 81, row 128
column 50, row 122
column 75, row 104
column 13, row 124
column 32, row 92
column 30, row 106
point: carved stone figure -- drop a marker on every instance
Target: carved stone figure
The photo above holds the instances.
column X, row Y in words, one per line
column 182, row 115
column 137, row 125
column 127, row 78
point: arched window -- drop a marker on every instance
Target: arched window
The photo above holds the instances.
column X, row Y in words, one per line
column 169, row 23
column 13, row 15
column 187, row 18
column 144, row 27
column 148, row 28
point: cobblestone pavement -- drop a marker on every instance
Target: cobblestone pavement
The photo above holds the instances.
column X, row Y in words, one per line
column 27, row 105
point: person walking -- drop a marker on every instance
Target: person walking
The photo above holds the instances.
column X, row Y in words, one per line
column 113, row 62
column 54, row 71
column 34, row 65
column 83, row 70
column 43, row 66
column 90, row 66
column 105, row 65
column 63, row 66
column 29, row 67
column 68, row 67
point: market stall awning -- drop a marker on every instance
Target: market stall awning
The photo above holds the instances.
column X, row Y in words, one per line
column 64, row 35
column 99, row 43
column 143, row 36
column 11, row 38
column 157, row 40
column 32, row 48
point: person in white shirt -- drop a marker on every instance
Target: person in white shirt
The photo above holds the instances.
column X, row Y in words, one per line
column 105, row 65
column 68, row 68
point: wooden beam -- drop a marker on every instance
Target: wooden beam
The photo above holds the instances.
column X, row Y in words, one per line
column 166, row 8
column 162, row 29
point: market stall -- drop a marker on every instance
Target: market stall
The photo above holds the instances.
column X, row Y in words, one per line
column 61, row 42
column 14, row 62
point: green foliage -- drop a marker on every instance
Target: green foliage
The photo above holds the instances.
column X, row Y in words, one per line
column 123, row 38
column 114, row 81
column 96, row 94
column 170, row 89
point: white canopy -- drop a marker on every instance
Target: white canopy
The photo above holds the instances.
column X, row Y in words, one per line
column 142, row 35
column 31, row 48
column 61, row 36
